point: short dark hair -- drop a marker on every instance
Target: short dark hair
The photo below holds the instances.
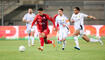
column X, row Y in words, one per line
column 61, row 9
column 77, row 8
column 40, row 9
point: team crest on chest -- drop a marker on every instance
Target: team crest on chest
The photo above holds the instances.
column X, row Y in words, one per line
column 44, row 17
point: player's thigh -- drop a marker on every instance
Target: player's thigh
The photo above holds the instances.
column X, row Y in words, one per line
column 46, row 32
column 85, row 37
column 33, row 29
column 76, row 33
column 60, row 35
column 65, row 34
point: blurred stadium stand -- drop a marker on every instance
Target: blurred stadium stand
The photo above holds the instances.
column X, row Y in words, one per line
column 12, row 11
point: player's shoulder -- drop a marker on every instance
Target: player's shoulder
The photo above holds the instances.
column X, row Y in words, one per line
column 65, row 16
column 55, row 15
column 45, row 14
column 37, row 15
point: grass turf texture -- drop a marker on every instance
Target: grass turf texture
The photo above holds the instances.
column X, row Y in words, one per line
column 89, row 51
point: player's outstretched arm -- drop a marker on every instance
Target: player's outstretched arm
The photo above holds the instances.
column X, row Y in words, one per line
column 52, row 20
column 34, row 21
column 92, row 17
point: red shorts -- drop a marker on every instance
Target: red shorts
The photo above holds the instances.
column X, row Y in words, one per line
column 46, row 31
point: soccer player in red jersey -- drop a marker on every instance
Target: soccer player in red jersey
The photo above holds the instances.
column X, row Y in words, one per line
column 42, row 26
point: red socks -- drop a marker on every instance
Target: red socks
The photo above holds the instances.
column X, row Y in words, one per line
column 42, row 41
column 49, row 41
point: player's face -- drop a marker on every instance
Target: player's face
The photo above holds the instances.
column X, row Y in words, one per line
column 60, row 12
column 30, row 11
column 76, row 11
column 40, row 12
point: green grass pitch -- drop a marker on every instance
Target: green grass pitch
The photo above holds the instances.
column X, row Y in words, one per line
column 89, row 51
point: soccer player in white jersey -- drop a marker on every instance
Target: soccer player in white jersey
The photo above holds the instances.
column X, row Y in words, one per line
column 62, row 23
column 28, row 19
column 78, row 20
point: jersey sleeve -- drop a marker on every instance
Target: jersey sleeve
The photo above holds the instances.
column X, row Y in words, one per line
column 84, row 15
column 51, row 19
column 54, row 18
column 34, row 20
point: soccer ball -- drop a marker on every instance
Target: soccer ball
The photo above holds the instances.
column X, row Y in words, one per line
column 21, row 48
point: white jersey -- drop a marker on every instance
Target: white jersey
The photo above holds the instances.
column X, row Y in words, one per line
column 63, row 31
column 62, row 20
column 29, row 17
column 78, row 20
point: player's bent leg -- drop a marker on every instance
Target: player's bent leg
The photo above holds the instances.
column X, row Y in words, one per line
column 41, row 41
column 92, row 40
column 46, row 32
column 76, row 33
column 45, row 40
column 85, row 38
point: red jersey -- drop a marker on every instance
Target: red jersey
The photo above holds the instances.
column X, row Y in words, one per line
column 42, row 22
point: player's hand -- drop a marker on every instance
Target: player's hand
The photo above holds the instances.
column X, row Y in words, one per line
column 94, row 18
column 29, row 21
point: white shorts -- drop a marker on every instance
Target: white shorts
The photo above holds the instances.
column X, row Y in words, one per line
column 81, row 28
column 62, row 33
column 29, row 30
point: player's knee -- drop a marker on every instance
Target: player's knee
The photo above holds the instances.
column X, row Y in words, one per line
column 41, row 35
column 87, row 40
column 75, row 34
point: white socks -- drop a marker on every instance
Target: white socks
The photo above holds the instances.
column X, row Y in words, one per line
column 76, row 41
column 93, row 40
column 30, row 40
column 64, row 43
